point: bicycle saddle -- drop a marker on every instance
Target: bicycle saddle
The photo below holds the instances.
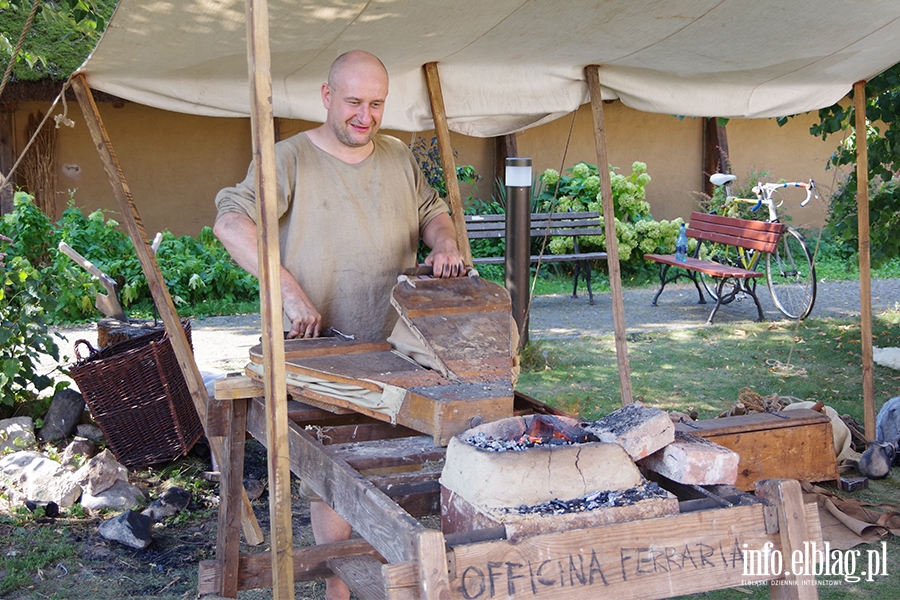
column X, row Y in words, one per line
column 721, row 178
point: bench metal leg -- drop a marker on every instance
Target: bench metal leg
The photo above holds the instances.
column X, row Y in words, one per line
column 663, row 280
column 583, row 270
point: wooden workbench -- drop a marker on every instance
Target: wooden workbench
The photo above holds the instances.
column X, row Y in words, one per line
column 398, row 558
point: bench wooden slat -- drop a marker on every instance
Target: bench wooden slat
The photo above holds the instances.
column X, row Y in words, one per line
column 499, row 260
column 704, row 266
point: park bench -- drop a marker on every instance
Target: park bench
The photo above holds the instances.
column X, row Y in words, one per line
column 573, row 224
column 714, row 229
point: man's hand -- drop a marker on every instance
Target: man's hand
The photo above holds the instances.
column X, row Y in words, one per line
column 306, row 322
column 445, row 258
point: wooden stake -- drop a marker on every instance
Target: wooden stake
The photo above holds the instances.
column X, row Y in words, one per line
column 161, row 297
column 263, row 128
column 592, row 72
column 787, row 498
column 447, row 161
column 865, row 281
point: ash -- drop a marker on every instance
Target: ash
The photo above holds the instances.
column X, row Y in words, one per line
column 605, row 499
column 487, row 443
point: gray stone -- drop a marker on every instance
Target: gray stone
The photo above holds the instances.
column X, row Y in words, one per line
column 80, row 446
column 121, row 496
column 33, row 476
column 129, row 528
column 16, row 433
column 101, row 473
column 173, row 501
column 91, row 432
column 64, row 415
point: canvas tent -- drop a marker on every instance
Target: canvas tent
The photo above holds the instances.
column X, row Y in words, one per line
column 504, row 65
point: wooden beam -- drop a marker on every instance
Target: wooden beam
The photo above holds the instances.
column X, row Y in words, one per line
column 448, row 163
column 231, row 476
column 592, row 72
column 793, row 528
column 263, row 132
column 865, row 265
column 715, row 152
column 161, row 297
column 392, row 531
column 7, row 157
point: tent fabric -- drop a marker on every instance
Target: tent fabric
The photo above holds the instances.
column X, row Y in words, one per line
column 505, row 65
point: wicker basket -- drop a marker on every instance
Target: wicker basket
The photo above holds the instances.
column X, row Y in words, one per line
column 139, row 398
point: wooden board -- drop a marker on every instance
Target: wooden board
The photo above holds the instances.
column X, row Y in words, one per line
column 639, row 560
column 794, row 444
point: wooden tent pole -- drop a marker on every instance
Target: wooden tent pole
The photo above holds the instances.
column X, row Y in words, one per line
column 865, row 281
column 433, row 80
column 263, row 131
column 161, row 297
column 592, row 72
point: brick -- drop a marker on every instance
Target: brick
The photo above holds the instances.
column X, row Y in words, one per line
column 694, row 460
column 639, row 429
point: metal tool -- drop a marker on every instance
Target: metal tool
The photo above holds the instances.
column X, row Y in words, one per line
column 107, row 303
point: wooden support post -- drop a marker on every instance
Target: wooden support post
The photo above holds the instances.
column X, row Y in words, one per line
column 865, row 265
column 434, row 582
column 448, row 163
column 161, row 297
column 592, row 72
column 715, row 152
column 7, row 156
column 263, row 129
column 787, row 498
column 504, row 147
column 231, row 475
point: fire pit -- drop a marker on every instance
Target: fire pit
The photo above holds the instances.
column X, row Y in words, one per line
column 542, row 473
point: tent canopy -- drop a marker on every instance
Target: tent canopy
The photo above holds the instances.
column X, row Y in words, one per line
column 506, row 65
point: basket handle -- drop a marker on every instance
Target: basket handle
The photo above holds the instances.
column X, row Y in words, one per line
column 91, row 349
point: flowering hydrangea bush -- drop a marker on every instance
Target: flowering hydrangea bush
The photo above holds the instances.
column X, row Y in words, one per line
column 637, row 232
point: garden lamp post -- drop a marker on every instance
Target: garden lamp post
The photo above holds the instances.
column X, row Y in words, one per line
column 518, row 240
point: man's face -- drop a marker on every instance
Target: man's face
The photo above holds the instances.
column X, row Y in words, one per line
column 355, row 104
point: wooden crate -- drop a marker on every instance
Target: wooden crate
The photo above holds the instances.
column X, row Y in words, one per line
column 796, row 444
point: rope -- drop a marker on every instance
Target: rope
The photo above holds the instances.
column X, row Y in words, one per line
column 562, row 166
column 15, row 55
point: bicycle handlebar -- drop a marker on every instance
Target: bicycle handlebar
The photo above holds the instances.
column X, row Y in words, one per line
column 765, row 190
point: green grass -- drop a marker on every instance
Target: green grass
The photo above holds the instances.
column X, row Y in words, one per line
column 704, row 369
column 28, row 550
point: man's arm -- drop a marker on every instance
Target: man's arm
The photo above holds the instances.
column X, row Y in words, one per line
column 237, row 232
column 445, row 258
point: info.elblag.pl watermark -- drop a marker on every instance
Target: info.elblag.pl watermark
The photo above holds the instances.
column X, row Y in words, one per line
column 819, row 561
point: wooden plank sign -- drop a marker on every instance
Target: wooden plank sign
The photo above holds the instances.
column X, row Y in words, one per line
column 637, row 560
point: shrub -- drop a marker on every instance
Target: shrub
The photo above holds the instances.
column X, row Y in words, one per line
column 637, row 232
column 195, row 270
column 24, row 337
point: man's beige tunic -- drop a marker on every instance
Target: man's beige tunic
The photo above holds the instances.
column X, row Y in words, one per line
column 346, row 231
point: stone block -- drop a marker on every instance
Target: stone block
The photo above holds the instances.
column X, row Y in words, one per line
column 639, row 429
column 694, row 460
column 540, row 474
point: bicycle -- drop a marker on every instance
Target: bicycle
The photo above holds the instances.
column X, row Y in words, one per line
column 790, row 271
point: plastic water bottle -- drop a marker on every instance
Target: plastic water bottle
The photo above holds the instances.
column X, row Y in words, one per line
column 681, row 245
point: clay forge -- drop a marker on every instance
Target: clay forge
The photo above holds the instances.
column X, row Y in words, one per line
column 542, row 473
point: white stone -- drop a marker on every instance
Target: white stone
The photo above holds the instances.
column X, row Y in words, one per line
column 101, row 473
column 16, row 433
column 39, row 478
column 121, row 496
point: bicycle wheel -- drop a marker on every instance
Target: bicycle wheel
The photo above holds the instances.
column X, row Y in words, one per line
column 791, row 276
column 724, row 255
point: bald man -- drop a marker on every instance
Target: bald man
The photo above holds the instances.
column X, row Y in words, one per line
column 352, row 207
